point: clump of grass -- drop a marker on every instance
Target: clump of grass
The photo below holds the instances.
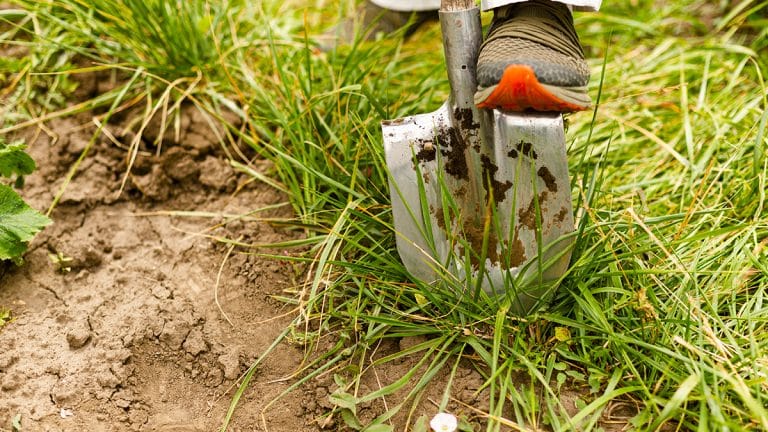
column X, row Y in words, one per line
column 159, row 55
column 159, row 52
column 167, row 38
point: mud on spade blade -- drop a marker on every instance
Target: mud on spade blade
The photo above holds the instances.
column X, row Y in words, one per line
column 481, row 198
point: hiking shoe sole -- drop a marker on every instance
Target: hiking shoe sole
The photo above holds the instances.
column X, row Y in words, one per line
column 532, row 59
column 520, row 90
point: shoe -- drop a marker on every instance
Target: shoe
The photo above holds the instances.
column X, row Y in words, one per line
column 532, row 59
column 374, row 21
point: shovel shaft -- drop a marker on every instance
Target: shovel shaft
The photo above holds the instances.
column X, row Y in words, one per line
column 462, row 37
column 455, row 5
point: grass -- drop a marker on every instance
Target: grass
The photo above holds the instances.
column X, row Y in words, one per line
column 662, row 310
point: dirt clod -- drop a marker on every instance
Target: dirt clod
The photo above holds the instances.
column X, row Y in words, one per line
column 76, row 145
column 526, row 149
column 230, row 363
column 78, row 334
column 527, row 215
column 517, row 255
column 7, row 359
column 180, row 165
column 427, row 152
column 155, row 185
column 466, row 119
column 107, row 379
column 11, row 381
column 195, row 342
column 88, row 257
column 549, row 180
column 493, row 187
column 217, row 174
column 453, row 148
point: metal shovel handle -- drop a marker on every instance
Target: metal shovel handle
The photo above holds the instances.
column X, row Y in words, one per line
column 456, row 5
column 462, row 37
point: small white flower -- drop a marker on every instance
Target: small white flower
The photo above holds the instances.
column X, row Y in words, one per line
column 444, row 422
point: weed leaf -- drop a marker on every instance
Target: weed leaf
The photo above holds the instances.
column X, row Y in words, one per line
column 18, row 224
column 14, row 161
column 351, row 420
column 343, row 400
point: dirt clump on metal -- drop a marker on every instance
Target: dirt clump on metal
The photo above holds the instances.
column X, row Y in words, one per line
column 549, row 179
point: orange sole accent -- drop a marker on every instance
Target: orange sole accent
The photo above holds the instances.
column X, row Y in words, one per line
column 519, row 89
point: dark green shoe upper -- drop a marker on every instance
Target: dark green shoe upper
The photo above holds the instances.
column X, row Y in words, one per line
column 539, row 34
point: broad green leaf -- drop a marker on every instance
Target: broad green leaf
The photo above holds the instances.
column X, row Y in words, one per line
column 14, row 161
column 350, row 419
column 343, row 399
column 18, row 224
column 561, row 378
column 465, row 426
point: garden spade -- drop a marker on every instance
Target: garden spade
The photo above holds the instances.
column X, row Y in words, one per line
column 480, row 197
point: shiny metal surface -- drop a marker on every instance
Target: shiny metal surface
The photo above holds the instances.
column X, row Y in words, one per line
column 480, row 197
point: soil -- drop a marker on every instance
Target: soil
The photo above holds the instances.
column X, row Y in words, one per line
column 131, row 314
column 116, row 322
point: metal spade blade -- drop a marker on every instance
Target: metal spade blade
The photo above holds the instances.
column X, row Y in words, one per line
column 479, row 196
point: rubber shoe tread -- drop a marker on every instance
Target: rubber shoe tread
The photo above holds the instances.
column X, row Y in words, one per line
column 532, row 59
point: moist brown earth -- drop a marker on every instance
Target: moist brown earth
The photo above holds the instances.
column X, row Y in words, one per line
column 132, row 314
column 116, row 322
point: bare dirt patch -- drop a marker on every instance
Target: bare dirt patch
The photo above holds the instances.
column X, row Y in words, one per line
column 122, row 331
